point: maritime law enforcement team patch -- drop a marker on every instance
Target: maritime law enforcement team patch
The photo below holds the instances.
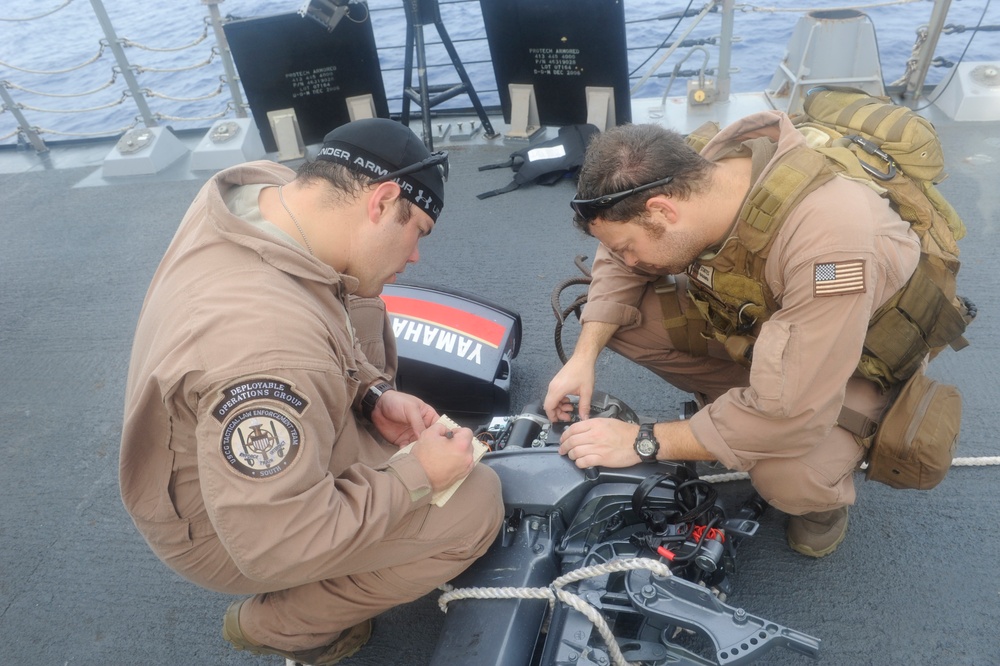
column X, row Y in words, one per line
column 260, row 437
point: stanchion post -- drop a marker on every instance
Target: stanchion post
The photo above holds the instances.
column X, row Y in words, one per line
column 123, row 63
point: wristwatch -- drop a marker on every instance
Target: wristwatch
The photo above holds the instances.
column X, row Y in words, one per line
column 645, row 443
column 372, row 396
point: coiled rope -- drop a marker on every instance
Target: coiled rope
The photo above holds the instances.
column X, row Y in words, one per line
column 555, row 592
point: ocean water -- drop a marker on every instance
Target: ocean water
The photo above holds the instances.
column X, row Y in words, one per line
column 63, row 39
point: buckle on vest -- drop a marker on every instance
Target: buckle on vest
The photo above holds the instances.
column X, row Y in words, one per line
column 666, row 284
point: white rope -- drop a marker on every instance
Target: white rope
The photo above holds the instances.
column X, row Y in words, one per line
column 203, row 63
column 555, row 592
column 14, row 86
column 724, row 478
column 121, row 100
column 32, row 18
column 215, row 93
column 100, row 52
column 214, row 116
column 981, row 461
column 120, row 130
column 911, row 63
column 204, row 34
column 802, row 10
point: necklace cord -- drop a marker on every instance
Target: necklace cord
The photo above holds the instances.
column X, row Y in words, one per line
column 281, row 198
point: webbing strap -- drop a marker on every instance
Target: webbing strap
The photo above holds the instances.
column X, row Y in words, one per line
column 510, row 187
column 856, row 423
column 895, row 133
column 685, row 329
column 871, row 123
column 844, row 119
column 499, row 165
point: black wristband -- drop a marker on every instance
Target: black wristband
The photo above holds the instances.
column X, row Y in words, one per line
column 372, row 396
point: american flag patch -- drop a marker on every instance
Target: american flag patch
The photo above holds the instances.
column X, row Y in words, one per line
column 839, row 277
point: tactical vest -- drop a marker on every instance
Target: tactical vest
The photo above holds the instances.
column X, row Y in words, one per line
column 731, row 299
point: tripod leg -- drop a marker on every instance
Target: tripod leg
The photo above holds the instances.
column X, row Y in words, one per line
column 407, row 74
column 467, row 83
column 425, row 103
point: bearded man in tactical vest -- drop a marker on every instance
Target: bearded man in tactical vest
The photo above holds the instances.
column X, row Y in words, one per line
column 261, row 445
column 746, row 274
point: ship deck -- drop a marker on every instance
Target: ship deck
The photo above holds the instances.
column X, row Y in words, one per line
column 914, row 583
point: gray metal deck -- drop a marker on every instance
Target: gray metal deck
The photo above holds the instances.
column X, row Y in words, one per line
column 914, row 583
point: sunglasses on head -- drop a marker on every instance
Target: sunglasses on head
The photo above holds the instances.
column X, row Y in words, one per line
column 438, row 159
column 588, row 209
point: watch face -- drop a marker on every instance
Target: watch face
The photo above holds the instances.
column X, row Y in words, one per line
column 645, row 447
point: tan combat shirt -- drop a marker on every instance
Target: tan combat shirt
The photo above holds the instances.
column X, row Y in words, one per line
column 810, row 347
column 240, row 406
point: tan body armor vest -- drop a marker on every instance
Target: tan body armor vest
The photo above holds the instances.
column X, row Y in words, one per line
column 731, row 299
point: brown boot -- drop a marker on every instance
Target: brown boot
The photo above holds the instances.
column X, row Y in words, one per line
column 817, row 534
column 350, row 641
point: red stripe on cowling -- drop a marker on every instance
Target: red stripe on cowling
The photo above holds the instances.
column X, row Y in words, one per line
column 468, row 324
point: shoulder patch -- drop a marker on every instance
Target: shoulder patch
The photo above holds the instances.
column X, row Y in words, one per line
column 260, row 442
column 258, row 388
column 835, row 278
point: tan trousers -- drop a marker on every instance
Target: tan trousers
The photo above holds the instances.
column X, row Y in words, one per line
column 818, row 481
column 430, row 546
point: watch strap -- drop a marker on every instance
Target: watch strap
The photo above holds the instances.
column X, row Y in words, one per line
column 372, row 396
column 646, row 432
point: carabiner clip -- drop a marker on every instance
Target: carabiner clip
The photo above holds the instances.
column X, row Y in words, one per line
column 874, row 150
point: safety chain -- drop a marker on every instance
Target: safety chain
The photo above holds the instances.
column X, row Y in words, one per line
column 204, row 35
column 555, row 592
column 100, row 52
column 32, row 18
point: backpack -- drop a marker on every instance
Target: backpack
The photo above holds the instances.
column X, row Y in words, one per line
column 899, row 154
column 546, row 162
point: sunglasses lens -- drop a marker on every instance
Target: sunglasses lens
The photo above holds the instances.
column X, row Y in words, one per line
column 588, row 209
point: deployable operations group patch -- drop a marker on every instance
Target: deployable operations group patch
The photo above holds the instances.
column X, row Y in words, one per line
column 259, row 438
